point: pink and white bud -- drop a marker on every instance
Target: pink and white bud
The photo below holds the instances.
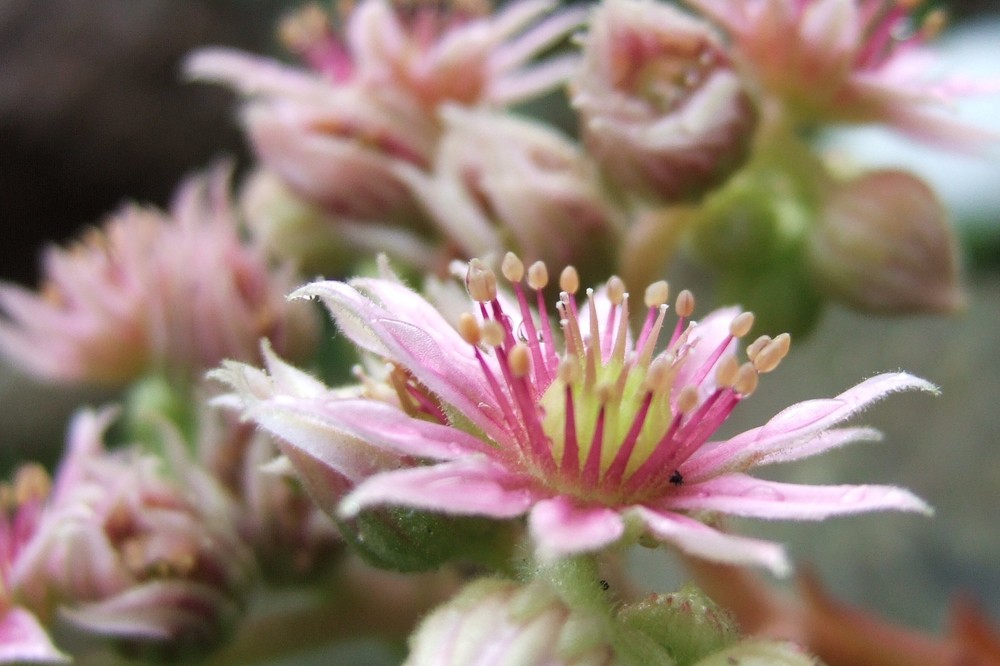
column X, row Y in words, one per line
column 505, row 182
column 882, row 243
column 503, row 622
column 154, row 292
column 135, row 548
column 662, row 111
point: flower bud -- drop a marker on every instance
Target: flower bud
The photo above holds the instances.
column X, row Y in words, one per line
column 499, row 621
column 883, row 244
column 662, row 111
column 759, row 652
column 687, row 623
column 137, row 549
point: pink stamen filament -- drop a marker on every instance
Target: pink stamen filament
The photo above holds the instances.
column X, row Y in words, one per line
column 542, row 371
column 707, row 366
column 618, row 466
column 592, row 467
column 521, row 391
column 546, row 326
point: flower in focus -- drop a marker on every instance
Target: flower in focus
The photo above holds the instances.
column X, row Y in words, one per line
column 662, row 111
column 135, row 548
column 22, row 638
column 882, row 243
column 595, row 437
column 335, row 134
column 152, row 291
column 503, row 181
column 856, row 61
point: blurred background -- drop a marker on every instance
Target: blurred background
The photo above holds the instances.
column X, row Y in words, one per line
column 93, row 113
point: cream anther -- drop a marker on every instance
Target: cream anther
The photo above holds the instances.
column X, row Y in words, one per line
column 657, row 294
column 685, row 304
column 469, row 329
column 754, row 347
column 569, row 370
column 741, row 324
column 746, row 379
column 658, row 376
column 492, row 333
column 725, row 371
column 687, row 399
column 569, row 280
column 481, row 282
column 616, row 290
column 538, row 276
column 512, row 267
column 768, row 358
column 31, row 482
column 519, row 360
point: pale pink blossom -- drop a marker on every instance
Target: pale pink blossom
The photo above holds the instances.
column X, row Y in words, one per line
column 22, row 637
column 594, row 434
column 152, row 291
column 502, row 181
column 335, row 133
column 133, row 547
column 453, row 51
column 854, row 61
column 662, row 110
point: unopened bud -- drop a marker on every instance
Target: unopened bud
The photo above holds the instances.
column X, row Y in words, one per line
column 662, row 111
column 883, row 244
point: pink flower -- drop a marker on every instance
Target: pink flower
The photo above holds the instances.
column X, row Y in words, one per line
column 856, row 61
column 335, row 134
column 596, row 437
column 151, row 291
column 500, row 180
column 455, row 52
column 22, row 637
column 661, row 108
column 135, row 548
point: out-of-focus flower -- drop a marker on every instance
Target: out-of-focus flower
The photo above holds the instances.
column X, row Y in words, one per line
column 501, row 181
column 856, row 61
column 22, row 638
column 596, row 437
column 438, row 52
column 504, row 622
column 135, row 548
column 334, row 135
column 882, row 243
column 174, row 293
column 661, row 109
column 292, row 538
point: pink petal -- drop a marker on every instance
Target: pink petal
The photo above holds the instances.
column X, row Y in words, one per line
column 472, row 486
column 742, row 495
column 22, row 639
column 797, row 426
column 706, row 542
column 704, row 340
column 250, row 74
column 435, row 353
column 561, row 527
column 313, row 425
column 160, row 610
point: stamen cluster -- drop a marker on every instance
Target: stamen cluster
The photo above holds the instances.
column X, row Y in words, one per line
column 604, row 419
